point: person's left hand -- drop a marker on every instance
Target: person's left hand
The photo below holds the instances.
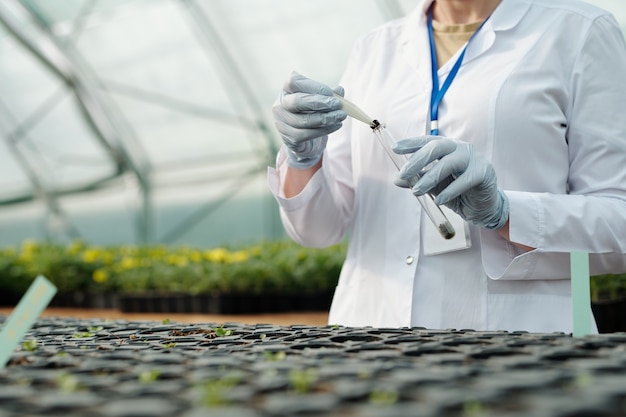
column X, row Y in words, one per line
column 460, row 178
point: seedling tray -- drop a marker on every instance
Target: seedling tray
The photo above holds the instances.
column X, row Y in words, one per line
column 77, row 367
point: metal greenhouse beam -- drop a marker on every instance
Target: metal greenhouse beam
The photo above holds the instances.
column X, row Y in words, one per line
column 49, row 198
column 232, row 75
column 213, row 41
column 47, row 50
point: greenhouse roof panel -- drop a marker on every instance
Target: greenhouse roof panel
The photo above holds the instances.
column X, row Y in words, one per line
column 175, row 94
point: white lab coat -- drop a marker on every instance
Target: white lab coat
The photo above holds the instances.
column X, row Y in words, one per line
column 540, row 94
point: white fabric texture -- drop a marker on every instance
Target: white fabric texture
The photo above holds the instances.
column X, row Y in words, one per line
column 539, row 95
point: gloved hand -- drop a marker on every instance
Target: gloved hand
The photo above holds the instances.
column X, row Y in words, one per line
column 304, row 114
column 461, row 179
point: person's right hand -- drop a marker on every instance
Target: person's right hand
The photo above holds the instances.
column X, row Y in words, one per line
column 304, row 114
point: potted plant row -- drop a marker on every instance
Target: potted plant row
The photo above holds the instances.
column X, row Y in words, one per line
column 269, row 276
column 608, row 295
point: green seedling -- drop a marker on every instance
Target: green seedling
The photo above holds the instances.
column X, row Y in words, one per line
column 383, row 397
column 365, row 374
column 474, row 408
column 583, row 380
column 148, row 377
column 169, row 345
column 214, row 392
column 221, row 331
column 274, row 357
column 82, row 335
column 95, row 329
column 166, row 321
column 30, row 345
column 23, row 382
column 68, row 383
column 302, row 380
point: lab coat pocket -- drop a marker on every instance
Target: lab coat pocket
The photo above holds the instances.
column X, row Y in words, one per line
column 543, row 313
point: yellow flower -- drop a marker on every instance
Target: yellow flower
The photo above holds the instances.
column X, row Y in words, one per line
column 195, row 256
column 178, row 260
column 128, row 250
column 157, row 251
column 100, row 276
column 25, row 258
column 216, row 255
column 75, row 247
column 129, row 262
column 29, row 246
column 106, row 257
column 235, row 257
column 91, row 255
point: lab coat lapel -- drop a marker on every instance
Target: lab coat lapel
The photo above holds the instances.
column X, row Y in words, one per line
column 414, row 43
column 414, row 38
column 506, row 16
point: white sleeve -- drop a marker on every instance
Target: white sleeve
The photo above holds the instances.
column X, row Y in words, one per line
column 318, row 215
column 592, row 217
column 321, row 214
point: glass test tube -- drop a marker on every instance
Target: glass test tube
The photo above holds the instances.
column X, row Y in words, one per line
column 433, row 211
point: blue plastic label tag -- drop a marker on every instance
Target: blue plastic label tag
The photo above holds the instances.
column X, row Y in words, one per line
column 581, row 294
column 24, row 316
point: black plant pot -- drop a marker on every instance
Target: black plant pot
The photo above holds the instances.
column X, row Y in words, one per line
column 71, row 299
column 313, row 301
column 135, row 303
column 225, row 303
column 610, row 315
column 104, row 300
column 8, row 299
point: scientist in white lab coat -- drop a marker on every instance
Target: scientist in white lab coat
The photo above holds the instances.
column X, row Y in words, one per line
column 530, row 136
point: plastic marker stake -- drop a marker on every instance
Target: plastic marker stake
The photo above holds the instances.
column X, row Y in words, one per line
column 23, row 317
column 581, row 297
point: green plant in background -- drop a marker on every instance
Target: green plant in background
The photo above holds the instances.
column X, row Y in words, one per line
column 608, row 287
column 267, row 266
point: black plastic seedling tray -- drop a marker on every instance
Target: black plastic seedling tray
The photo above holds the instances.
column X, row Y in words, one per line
column 75, row 367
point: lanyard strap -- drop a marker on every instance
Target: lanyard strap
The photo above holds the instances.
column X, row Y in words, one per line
column 437, row 94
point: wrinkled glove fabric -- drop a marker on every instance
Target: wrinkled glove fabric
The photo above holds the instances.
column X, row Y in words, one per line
column 304, row 114
column 457, row 175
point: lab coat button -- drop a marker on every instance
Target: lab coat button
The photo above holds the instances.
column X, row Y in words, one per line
column 409, row 260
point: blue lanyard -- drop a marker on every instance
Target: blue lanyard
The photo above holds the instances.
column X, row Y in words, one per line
column 437, row 94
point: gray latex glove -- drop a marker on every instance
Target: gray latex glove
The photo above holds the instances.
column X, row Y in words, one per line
column 460, row 178
column 304, row 114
